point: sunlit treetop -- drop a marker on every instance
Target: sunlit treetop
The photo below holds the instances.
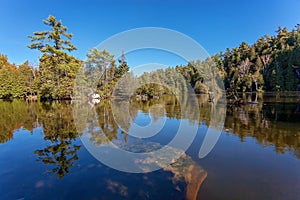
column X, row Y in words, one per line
column 53, row 40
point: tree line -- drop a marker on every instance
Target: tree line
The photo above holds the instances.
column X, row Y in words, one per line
column 270, row 64
column 57, row 71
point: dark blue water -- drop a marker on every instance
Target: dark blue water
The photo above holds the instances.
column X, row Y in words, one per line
column 43, row 157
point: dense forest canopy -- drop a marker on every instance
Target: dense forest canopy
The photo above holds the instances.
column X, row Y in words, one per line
column 272, row 63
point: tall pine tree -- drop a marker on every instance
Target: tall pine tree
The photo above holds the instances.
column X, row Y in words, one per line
column 57, row 68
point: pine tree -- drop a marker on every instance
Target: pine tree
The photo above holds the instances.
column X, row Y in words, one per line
column 57, row 69
column 123, row 67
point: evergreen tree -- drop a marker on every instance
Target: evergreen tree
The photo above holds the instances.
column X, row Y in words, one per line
column 123, row 67
column 57, row 69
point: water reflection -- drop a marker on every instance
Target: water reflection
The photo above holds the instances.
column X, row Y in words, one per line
column 57, row 125
column 60, row 131
column 16, row 115
column 270, row 123
column 275, row 124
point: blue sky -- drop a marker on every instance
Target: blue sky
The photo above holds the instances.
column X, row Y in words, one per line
column 214, row 24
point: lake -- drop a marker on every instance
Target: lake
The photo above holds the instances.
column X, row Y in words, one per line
column 46, row 150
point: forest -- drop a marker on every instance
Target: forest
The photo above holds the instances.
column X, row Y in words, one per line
column 271, row 64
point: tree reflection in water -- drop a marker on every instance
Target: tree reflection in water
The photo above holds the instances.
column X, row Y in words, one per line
column 16, row 115
column 60, row 130
column 275, row 124
column 187, row 175
column 270, row 123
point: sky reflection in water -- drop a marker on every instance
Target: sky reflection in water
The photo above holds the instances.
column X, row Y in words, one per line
column 43, row 157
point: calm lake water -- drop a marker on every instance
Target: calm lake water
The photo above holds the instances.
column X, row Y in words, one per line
column 42, row 154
